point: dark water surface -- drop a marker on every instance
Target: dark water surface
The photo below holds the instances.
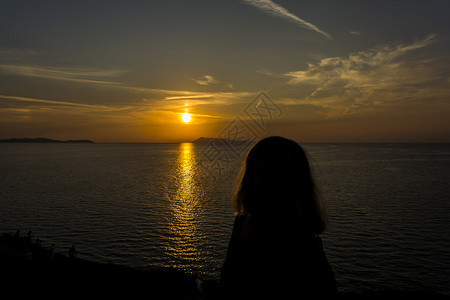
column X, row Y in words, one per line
column 156, row 205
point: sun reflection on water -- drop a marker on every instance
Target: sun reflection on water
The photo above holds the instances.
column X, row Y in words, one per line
column 184, row 229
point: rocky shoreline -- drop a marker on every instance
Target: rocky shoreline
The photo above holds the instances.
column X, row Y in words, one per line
column 29, row 269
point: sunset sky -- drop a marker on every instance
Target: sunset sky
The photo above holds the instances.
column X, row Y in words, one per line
column 126, row 71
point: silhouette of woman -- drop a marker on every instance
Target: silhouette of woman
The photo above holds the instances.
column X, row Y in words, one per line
column 274, row 250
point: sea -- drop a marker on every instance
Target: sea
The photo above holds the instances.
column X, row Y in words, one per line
column 169, row 205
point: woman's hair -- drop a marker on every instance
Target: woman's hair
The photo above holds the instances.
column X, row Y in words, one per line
column 277, row 179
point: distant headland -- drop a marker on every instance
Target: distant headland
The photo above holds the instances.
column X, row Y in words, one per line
column 42, row 140
column 204, row 140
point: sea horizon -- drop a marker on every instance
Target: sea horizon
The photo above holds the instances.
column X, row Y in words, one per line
column 216, row 138
column 165, row 204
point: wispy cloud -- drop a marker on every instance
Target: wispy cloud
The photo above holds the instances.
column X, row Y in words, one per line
column 205, row 80
column 190, row 97
column 356, row 65
column 150, row 96
column 13, row 54
column 58, row 73
column 104, row 78
column 62, row 103
column 365, row 79
column 276, row 10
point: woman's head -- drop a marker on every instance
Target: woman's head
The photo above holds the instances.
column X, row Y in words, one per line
column 277, row 180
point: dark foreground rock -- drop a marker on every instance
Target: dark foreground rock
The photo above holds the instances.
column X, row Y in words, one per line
column 30, row 270
column 26, row 269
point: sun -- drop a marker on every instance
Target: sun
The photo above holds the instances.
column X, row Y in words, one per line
column 186, row 117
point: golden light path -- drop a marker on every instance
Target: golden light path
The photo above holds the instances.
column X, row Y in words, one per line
column 184, row 225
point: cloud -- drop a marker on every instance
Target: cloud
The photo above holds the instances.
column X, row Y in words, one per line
column 66, row 74
column 205, row 80
column 278, row 11
column 58, row 103
column 366, row 79
column 190, row 97
column 10, row 53
column 58, row 73
column 357, row 66
column 99, row 77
